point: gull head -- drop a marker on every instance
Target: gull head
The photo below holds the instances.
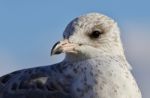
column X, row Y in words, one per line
column 90, row 35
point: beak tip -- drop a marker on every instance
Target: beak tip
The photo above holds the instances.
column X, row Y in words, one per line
column 56, row 52
column 51, row 54
column 53, row 51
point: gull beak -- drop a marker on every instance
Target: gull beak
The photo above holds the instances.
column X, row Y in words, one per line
column 63, row 47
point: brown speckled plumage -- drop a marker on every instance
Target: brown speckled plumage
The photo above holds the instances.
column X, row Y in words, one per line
column 95, row 67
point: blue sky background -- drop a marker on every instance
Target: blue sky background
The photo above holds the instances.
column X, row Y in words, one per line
column 29, row 28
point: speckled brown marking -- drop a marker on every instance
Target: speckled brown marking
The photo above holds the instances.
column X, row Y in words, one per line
column 101, row 87
column 115, row 90
column 104, row 82
column 78, row 90
column 91, row 73
column 85, row 78
column 96, row 65
column 97, row 55
column 96, row 75
column 85, row 68
column 100, row 72
column 75, row 70
column 14, row 86
column 96, row 81
column 5, row 79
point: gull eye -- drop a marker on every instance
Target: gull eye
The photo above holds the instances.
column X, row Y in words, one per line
column 95, row 34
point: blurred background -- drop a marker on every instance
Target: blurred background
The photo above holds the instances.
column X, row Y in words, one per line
column 29, row 28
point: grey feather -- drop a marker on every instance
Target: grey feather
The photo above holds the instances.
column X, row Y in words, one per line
column 40, row 82
column 92, row 68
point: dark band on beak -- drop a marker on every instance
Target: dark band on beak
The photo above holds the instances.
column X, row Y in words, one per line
column 55, row 52
column 64, row 46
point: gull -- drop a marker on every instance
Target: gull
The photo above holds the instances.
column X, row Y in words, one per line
column 94, row 66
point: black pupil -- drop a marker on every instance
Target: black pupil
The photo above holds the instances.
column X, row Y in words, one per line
column 95, row 34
